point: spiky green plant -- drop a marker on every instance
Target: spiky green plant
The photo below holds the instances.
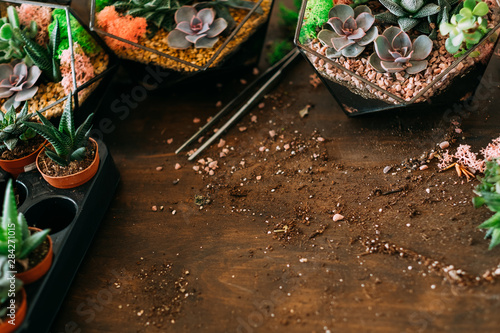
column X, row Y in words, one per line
column 160, row 13
column 489, row 194
column 6, row 291
column 68, row 144
column 11, row 44
column 15, row 237
column 409, row 14
column 466, row 28
column 12, row 128
column 45, row 58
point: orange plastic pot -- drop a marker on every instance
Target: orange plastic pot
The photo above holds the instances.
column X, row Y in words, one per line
column 20, row 165
column 6, row 327
column 35, row 273
column 73, row 180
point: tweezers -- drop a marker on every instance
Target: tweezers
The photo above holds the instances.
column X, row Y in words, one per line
column 266, row 82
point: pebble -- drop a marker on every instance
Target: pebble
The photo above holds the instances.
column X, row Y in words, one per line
column 444, row 145
column 211, row 172
column 424, row 167
column 320, row 139
column 213, row 165
column 262, row 149
column 337, row 217
column 272, row 133
column 159, row 168
column 218, row 104
column 242, row 129
column 196, row 120
column 202, row 161
column 254, row 119
column 261, row 105
column 169, row 141
column 458, row 130
column 286, row 146
column 258, row 177
column 387, row 169
column 154, row 208
column 222, row 143
column 255, row 71
column 177, row 166
column 196, row 168
column 174, row 212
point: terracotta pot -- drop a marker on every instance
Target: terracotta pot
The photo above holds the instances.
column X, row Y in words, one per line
column 5, row 327
column 73, row 180
column 35, row 273
column 20, row 165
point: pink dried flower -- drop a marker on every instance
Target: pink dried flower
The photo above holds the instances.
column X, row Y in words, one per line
column 492, row 150
column 41, row 15
column 83, row 68
column 446, row 160
column 467, row 158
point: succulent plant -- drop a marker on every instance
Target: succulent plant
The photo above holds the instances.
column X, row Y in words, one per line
column 394, row 52
column 68, row 144
column 11, row 44
column 158, row 12
column 221, row 8
column 409, row 14
column 45, row 58
column 12, row 128
column 352, row 30
column 18, row 83
column 489, row 194
column 198, row 28
column 6, row 291
column 467, row 27
column 14, row 230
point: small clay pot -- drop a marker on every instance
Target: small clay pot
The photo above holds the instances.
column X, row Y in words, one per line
column 73, row 180
column 20, row 165
column 35, row 273
column 5, row 327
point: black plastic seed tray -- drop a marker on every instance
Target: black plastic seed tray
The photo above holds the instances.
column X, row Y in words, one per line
column 74, row 216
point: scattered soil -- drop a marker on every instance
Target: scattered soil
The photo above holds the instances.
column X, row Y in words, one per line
column 166, row 290
column 23, row 148
column 198, row 57
column 53, row 169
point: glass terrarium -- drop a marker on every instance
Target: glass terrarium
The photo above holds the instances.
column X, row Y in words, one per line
column 46, row 53
column 184, row 37
column 360, row 88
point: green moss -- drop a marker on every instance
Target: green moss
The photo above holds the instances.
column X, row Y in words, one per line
column 279, row 50
column 79, row 34
column 315, row 16
column 100, row 4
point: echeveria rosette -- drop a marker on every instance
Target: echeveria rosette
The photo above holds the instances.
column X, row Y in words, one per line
column 394, row 52
column 352, row 30
column 468, row 26
column 18, row 83
column 198, row 28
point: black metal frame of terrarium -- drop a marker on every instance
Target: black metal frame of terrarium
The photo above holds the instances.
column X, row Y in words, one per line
column 244, row 55
column 355, row 102
column 100, row 79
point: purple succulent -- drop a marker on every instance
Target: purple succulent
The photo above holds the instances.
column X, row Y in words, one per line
column 352, row 30
column 395, row 52
column 18, row 83
column 193, row 27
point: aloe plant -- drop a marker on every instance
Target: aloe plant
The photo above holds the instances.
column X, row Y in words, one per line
column 11, row 44
column 15, row 238
column 409, row 14
column 45, row 58
column 466, row 28
column 352, row 30
column 489, row 194
column 12, row 128
column 68, row 143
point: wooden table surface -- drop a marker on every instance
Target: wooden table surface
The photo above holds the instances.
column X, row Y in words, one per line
column 264, row 255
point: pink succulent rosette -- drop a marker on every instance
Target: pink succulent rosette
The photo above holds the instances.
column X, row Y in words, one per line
column 18, row 83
